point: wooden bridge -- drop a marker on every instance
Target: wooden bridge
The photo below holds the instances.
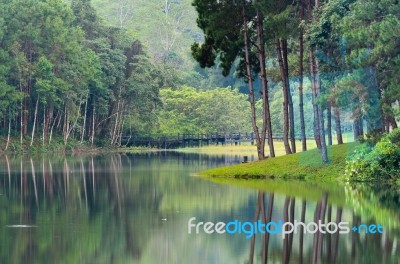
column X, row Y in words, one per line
column 191, row 140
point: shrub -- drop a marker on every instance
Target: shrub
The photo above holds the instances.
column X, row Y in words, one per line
column 375, row 163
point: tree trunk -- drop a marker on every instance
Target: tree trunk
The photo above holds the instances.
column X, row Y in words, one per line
column 301, row 83
column 84, row 119
column 65, row 123
column 34, row 121
column 324, row 151
column 49, row 119
column 116, row 123
column 58, row 116
column 25, row 114
column 329, row 128
column 70, row 125
column 267, row 127
column 260, row 147
column 8, row 134
column 284, row 46
column 285, row 98
column 338, row 125
column 314, row 104
column 22, row 125
column 93, row 126
column 44, row 126
column 319, row 133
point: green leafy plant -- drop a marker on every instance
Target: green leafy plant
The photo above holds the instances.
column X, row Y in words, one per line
column 376, row 162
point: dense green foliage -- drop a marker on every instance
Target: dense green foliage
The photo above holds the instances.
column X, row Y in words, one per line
column 378, row 162
column 64, row 72
column 205, row 111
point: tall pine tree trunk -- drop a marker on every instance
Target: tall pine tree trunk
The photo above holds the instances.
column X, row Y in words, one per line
column 320, row 117
column 338, row 126
column 329, row 128
column 285, row 98
column 267, row 127
column 301, row 84
column 319, row 130
column 284, row 46
column 21, row 124
column 260, row 146
column 314, row 104
column 44, row 127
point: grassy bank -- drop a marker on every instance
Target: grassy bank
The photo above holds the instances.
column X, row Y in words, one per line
column 301, row 166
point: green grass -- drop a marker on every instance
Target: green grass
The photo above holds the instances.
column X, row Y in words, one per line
column 305, row 166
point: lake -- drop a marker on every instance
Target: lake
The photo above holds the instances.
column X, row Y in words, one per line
column 135, row 208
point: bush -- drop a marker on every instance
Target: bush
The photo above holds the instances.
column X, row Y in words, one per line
column 375, row 163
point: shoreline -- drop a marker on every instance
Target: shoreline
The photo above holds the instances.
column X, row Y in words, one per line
column 305, row 166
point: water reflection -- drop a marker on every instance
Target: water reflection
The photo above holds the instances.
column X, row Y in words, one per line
column 124, row 208
column 321, row 247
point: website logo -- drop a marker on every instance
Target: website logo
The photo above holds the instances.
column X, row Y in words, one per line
column 278, row 228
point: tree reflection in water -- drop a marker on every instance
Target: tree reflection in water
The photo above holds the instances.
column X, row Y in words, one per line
column 324, row 247
column 108, row 209
column 55, row 198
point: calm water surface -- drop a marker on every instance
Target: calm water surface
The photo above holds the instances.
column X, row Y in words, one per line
column 123, row 208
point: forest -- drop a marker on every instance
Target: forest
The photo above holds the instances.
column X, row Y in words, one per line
column 93, row 71
column 68, row 74
column 347, row 49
